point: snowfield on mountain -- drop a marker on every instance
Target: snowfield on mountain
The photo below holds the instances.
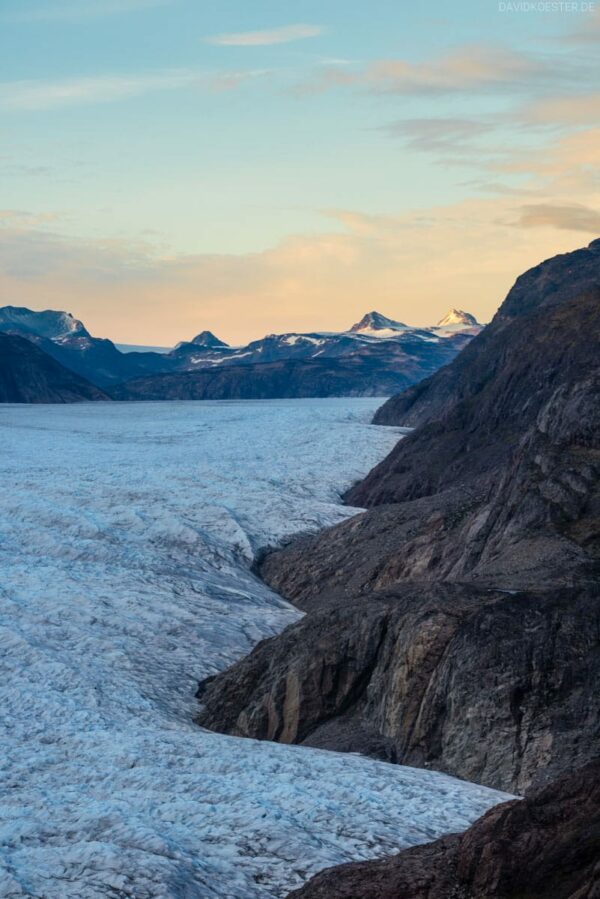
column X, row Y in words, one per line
column 381, row 356
column 128, row 532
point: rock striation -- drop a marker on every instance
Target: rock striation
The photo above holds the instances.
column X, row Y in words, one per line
column 494, row 688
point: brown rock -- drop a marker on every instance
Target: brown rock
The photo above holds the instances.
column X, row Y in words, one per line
column 503, row 690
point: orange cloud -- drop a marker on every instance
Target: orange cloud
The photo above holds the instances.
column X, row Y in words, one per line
column 465, row 256
column 412, row 266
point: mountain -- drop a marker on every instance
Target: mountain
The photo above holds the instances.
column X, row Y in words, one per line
column 371, row 359
column 52, row 325
column 28, row 375
column 356, row 375
column 374, row 324
column 456, row 318
column 375, row 334
column 377, row 356
column 544, row 847
column 68, row 341
column 207, row 338
column 455, row 624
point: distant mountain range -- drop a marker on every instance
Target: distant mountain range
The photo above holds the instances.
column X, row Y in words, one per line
column 377, row 356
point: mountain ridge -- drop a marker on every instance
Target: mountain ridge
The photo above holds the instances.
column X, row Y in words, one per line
column 100, row 361
column 482, row 517
column 28, row 375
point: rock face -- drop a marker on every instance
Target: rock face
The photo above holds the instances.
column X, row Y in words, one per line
column 28, row 375
column 455, row 623
column 363, row 374
column 503, row 488
column 544, row 847
column 500, row 690
column 535, row 294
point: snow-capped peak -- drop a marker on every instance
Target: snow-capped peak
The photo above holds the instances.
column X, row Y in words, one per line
column 375, row 324
column 49, row 323
column 458, row 317
column 207, row 338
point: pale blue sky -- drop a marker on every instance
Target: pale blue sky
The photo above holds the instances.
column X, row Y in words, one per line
column 227, row 128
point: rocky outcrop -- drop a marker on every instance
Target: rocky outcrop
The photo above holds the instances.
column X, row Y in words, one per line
column 28, row 375
column 494, row 688
column 544, row 847
column 455, row 623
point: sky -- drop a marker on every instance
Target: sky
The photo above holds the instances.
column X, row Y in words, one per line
column 168, row 166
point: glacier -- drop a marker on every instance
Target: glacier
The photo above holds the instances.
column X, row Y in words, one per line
column 127, row 535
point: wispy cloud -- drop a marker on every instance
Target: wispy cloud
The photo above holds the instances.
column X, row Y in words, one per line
column 469, row 69
column 589, row 32
column 466, row 70
column 314, row 281
column 283, row 35
column 84, row 9
column 436, row 135
column 34, row 95
column 565, row 110
column 574, row 217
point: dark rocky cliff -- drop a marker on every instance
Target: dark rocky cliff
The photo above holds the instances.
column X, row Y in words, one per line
column 500, row 690
column 28, row 375
column 455, row 624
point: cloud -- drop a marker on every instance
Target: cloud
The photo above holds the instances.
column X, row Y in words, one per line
column 413, row 266
column 589, row 32
column 438, row 134
column 470, row 69
column 565, row 110
column 573, row 217
column 283, row 35
column 85, row 9
column 19, row 218
column 42, row 95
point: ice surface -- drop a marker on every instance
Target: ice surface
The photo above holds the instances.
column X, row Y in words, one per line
column 126, row 536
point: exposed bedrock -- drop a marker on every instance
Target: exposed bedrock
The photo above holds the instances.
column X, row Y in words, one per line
column 455, row 624
column 495, row 688
column 544, row 847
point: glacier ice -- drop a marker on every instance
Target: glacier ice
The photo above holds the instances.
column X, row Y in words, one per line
column 127, row 532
